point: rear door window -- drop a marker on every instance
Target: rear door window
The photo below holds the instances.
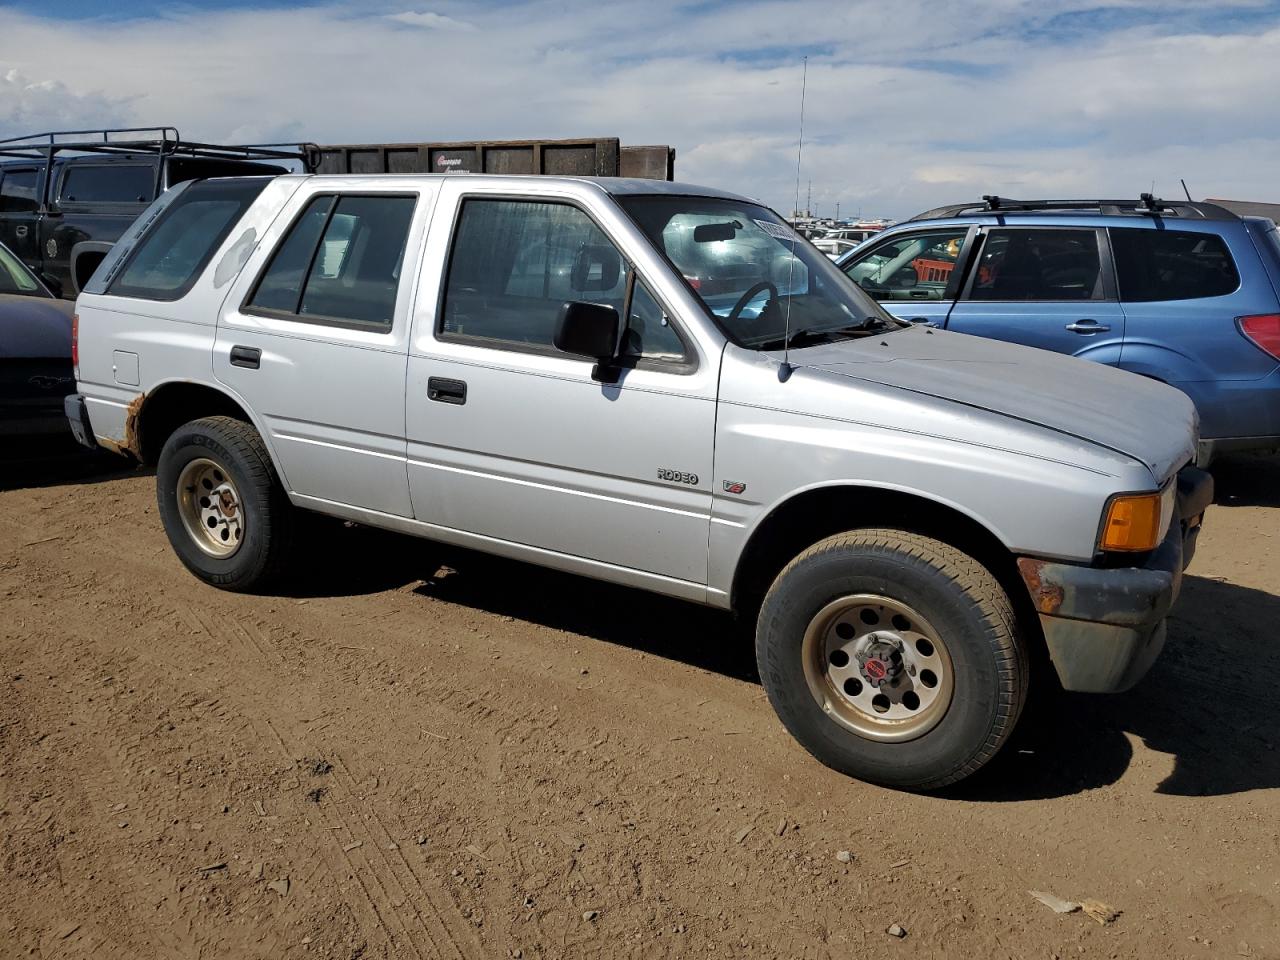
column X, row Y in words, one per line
column 18, row 191
column 340, row 263
column 913, row 266
column 1038, row 265
column 1172, row 265
column 108, row 184
column 168, row 259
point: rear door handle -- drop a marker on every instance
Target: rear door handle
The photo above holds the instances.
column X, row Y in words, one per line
column 446, row 391
column 1087, row 327
column 921, row 321
column 250, row 357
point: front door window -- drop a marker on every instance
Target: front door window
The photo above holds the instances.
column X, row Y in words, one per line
column 913, row 266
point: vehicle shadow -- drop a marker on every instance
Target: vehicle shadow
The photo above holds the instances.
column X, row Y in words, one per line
column 1247, row 480
column 1207, row 703
column 56, row 463
column 375, row 560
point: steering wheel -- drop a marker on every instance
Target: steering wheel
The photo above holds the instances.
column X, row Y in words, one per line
column 754, row 291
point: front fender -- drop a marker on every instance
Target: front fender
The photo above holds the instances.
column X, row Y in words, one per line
column 1047, row 503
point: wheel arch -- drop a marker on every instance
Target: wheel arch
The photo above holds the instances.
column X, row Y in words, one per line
column 84, row 259
column 169, row 405
column 811, row 515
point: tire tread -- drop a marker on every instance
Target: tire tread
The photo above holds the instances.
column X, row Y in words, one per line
column 985, row 596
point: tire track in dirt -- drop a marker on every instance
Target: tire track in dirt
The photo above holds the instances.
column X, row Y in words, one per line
column 118, row 771
column 391, row 880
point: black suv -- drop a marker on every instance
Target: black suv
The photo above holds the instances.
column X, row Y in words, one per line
column 66, row 197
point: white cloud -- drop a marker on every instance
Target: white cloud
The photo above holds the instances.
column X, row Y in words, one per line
column 429, row 21
column 29, row 105
column 930, row 103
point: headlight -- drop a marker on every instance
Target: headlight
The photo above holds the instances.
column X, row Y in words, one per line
column 1135, row 523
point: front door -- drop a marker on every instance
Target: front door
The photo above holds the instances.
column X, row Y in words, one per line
column 19, row 213
column 511, row 441
column 1047, row 287
column 315, row 341
column 915, row 275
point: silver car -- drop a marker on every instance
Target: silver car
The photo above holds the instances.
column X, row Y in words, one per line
column 659, row 385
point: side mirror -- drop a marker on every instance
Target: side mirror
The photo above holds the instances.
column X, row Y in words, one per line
column 590, row 330
column 53, row 284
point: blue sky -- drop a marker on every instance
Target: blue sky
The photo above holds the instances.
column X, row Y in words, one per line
column 910, row 103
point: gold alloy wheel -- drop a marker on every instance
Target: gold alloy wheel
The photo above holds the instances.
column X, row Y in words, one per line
column 210, row 507
column 877, row 667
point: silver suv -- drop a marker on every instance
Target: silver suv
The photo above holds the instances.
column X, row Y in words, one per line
column 662, row 386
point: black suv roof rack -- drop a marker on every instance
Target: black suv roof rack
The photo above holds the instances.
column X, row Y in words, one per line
column 1146, row 206
column 164, row 141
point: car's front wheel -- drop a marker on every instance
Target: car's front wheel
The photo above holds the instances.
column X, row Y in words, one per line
column 222, row 505
column 892, row 657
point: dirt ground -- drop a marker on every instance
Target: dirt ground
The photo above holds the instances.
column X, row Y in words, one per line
column 418, row 752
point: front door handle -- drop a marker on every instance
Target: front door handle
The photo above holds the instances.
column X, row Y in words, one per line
column 1087, row 327
column 446, row 391
column 921, row 321
column 249, row 357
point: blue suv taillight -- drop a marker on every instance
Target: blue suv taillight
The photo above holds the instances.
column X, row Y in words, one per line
column 1264, row 330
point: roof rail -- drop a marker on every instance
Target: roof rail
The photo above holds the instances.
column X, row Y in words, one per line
column 1147, row 205
column 164, row 141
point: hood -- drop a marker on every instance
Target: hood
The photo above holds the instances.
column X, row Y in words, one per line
column 35, row 327
column 1131, row 415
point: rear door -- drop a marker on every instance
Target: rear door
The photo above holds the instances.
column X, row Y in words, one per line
column 1048, row 287
column 915, row 274
column 314, row 337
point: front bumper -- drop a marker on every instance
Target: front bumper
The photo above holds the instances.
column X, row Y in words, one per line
column 1105, row 626
column 77, row 414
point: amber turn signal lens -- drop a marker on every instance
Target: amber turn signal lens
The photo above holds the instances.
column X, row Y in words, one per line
column 1133, row 523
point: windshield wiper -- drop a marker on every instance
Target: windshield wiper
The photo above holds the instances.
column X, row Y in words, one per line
column 882, row 323
column 809, row 336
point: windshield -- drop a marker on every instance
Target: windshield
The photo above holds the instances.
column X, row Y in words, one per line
column 749, row 268
column 16, row 278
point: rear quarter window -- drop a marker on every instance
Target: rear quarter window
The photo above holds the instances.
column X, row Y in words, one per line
column 169, row 258
column 1156, row 265
column 108, row 184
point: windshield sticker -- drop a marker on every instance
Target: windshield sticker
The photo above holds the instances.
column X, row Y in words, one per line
column 779, row 231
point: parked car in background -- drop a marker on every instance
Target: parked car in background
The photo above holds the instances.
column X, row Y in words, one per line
column 833, row 248
column 857, row 232
column 35, row 353
column 654, row 384
column 65, row 197
column 1184, row 293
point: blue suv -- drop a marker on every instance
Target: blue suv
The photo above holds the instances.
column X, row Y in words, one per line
column 1185, row 293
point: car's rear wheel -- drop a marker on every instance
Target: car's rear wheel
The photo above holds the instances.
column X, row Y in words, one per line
column 892, row 657
column 225, row 513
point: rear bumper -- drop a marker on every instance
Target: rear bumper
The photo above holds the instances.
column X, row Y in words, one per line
column 1105, row 626
column 77, row 415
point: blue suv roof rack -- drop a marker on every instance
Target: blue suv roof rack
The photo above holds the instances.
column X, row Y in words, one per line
column 1146, row 206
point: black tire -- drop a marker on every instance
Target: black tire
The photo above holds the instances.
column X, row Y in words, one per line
column 236, row 448
column 966, row 606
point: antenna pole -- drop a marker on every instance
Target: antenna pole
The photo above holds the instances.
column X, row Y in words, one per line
column 1186, row 191
column 784, row 372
